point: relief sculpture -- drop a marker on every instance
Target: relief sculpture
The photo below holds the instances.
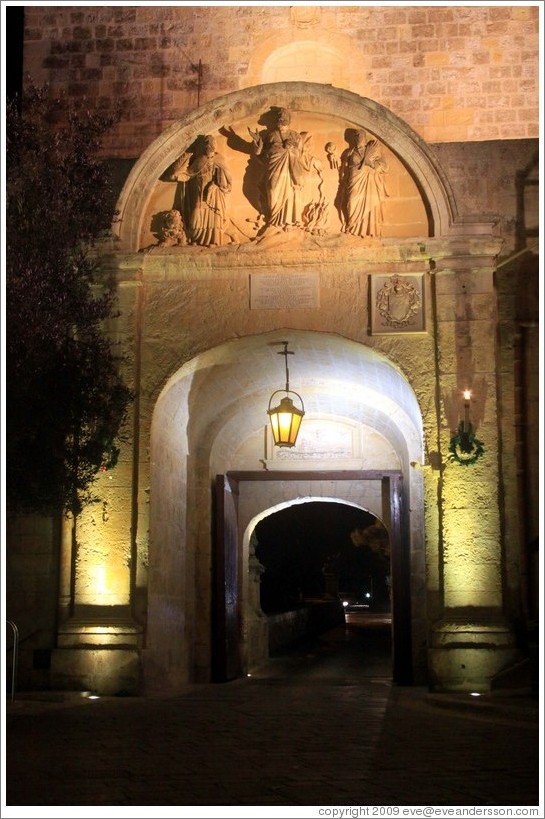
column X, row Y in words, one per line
column 169, row 229
column 284, row 177
column 285, row 187
column 398, row 302
column 315, row 206
column 280, row 150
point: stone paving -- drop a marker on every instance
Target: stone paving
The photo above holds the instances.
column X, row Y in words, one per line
column 310, row 729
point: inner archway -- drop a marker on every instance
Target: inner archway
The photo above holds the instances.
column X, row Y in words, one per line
column 323, row 550
column 325, row 589
column 379, row 491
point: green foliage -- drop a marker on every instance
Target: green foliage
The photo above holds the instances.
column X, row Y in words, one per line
column 465, row 448
column 66, row 402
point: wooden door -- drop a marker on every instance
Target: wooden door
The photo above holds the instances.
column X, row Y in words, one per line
column 401, row 586
column 226, row 616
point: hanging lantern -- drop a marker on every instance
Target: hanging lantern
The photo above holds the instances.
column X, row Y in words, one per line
column 286, row 417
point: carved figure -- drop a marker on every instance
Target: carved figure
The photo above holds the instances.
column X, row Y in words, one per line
column 283, row 174
column 331, row 151
column 170, row 230
column 206, row 184
column 362, row 188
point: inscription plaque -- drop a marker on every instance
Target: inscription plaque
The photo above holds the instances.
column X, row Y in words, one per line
column 319, row 440
column 281, row 291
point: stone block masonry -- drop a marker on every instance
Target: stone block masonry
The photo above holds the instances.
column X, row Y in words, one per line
column 453, row 73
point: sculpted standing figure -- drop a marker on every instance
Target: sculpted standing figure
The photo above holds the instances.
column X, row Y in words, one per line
column 279, row 148
column 362, row 189
column 206, row 185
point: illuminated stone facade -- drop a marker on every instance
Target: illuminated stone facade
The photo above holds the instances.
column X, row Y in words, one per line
column 389, row 327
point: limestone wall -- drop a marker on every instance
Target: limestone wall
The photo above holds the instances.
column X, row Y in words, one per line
column 453, row 73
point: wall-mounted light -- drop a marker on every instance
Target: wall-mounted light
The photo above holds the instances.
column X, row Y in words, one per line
column 465, row 430
column 286, row 417
column 464, row 447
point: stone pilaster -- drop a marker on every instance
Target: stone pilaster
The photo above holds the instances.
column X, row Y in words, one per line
column 471, row 642
column 99, row 634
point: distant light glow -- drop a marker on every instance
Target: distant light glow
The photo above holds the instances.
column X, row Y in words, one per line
column 474, row 694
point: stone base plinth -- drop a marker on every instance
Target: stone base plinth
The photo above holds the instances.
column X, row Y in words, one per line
column 466, row 654
column 107, row 671
column 98, row 649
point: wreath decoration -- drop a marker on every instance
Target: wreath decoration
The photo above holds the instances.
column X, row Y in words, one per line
column 464, row 447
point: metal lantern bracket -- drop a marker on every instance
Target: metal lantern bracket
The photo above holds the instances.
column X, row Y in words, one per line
column 285, row 352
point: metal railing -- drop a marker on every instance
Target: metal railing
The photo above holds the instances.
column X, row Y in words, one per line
column 15, row 657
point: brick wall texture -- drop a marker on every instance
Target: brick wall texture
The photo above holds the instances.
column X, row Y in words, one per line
column 453, row 73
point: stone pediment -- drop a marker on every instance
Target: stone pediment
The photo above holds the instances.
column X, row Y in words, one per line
column 358, row 174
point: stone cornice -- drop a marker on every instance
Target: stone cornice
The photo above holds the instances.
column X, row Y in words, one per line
column 437, row 255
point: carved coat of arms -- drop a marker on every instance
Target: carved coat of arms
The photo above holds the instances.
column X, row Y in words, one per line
column 398, row 301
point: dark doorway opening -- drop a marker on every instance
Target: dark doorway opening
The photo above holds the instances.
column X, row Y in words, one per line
column 323, row 550
column 331, row 561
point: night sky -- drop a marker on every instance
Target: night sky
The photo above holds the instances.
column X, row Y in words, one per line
column 14, row 49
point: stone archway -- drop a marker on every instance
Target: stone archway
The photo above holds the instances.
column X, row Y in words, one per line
column 311, row 554
column 378, row 492
column 210, row 419
column 201, row 324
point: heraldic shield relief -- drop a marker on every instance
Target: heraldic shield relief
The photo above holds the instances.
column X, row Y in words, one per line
column 397, row 304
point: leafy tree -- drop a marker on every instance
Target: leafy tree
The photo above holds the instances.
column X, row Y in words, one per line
column 66, row 402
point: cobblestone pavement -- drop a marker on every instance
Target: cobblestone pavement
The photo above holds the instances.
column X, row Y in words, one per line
column 314, row 728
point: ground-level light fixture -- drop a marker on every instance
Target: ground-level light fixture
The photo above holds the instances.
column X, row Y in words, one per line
column 286, row 417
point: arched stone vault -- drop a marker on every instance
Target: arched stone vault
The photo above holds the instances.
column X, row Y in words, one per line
column 296, row 96
column 211, row 418
column 232, row 384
